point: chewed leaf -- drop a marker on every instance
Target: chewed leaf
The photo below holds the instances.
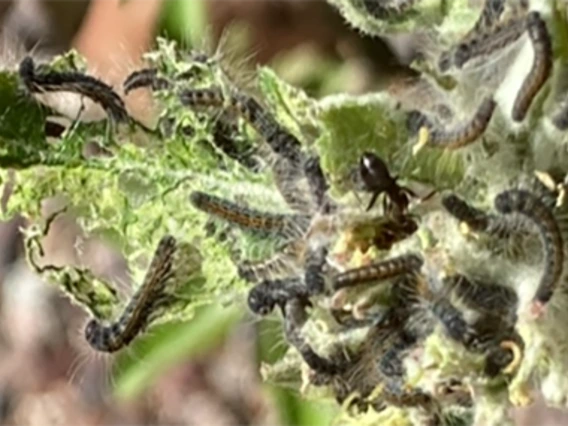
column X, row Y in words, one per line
column 22, row 140
column 186, row 289
column 97, row 297
column 70, row 61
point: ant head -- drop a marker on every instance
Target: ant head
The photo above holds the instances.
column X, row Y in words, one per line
column 259, row 301
column 374, row 172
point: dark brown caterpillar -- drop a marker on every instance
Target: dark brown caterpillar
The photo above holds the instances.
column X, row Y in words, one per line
column 527, row 204
column 295, row 317
column 265, row 296
column 541, row 67
column 280, row 141
column 378, row 271
column 489, row 41
column 285, row 261
column 378, row 362
column 147, row 77
column 477, row 220
column 317, row 183
column 482, row 42
column 462, row 134
column 76, row 82
column 486, row 335
column 490, row 15
column 226, row 139
column 136, row 316
column 254, row 220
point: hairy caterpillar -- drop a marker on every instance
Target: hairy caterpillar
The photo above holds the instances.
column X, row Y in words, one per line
column 527, row 204
column 477, row 220
column 273, row 223
column 280, row 141
column 541, row 67
column 461, row 135
column 136, row 316
column 378, row 271
column 76, row 82
column 147, row 77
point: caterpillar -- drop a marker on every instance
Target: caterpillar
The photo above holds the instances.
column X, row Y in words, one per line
column 378, row 271
column 147, row 77
column 263, row 297
column 541, row 67
column 462, row 134
column 482, row 296
column 527, row 204
column 486, row 43
column 254, row 220
column 477, row 220
column 136, row 315
column 482, row 42
column 317, row 182
column 280, row 141
column 76, row 82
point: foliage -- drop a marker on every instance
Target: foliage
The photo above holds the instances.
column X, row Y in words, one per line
column 142, row 191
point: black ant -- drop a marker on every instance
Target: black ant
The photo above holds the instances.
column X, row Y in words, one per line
column 377, row 179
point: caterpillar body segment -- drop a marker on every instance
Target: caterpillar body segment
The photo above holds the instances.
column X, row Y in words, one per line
column 254, row 220
column 280, row 141
column 382, row 270
column 536, row 211
column 137, row 313
column 541, row 68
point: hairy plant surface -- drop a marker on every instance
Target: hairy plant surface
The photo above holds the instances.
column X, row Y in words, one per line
column 480, row 138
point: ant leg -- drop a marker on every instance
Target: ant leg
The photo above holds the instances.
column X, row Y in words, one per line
column 373, row 200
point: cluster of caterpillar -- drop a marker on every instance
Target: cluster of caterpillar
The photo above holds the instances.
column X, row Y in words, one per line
column 306, row 272
column 539, row 214
column 303, row 274
column 494, row 31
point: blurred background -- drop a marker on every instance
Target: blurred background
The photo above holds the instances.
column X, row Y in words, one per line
column 205, row 371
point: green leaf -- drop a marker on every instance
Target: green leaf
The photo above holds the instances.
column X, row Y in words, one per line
column 354, row 124
column 292, row 107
